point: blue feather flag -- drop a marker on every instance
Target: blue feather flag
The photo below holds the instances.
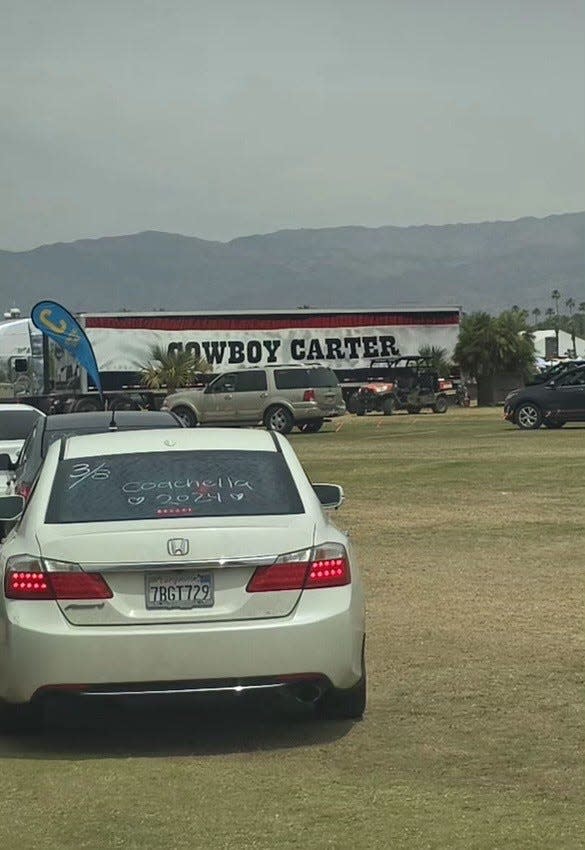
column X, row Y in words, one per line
column 59, row 325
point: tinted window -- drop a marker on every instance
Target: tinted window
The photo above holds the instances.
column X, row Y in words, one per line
column 163, row 485
column 223, row 384
column 16, row 424
column 291, row 379
column 322, row 378
column 298, row 379
column 26, row 448
column 573, row 379
column 255, row 379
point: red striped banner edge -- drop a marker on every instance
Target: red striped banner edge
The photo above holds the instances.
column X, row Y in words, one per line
column 265, row 323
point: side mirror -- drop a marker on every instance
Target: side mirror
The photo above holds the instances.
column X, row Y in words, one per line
column 330, row 495
column 11, row 508
column 5, row 463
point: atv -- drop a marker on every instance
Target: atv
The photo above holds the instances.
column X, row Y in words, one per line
column 413, row 387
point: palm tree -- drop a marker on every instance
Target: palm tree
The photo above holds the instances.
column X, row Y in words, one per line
column 171, row 370
column 439, row 361
column 556, row 297
column 570, row 304
column 537, row 314
column 489, row 346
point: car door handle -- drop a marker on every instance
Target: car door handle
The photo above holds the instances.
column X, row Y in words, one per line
column 263, row 395
column 229, row 395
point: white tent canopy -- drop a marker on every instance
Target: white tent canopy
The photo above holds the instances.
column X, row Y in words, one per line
column 565, row 343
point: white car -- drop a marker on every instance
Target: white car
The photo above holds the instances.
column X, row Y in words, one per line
column 178, row 561
column 16, row 423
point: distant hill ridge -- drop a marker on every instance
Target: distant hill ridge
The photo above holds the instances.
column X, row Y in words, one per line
column 490, row 265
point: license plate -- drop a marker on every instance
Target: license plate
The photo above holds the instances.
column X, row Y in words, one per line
column 182, row 590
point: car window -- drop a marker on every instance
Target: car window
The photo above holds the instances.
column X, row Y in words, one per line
column 255, row 379
column 26, row 449
column 16, row 424
column 298, row 379
column 573, row 379
column 322, row 377
column 163, row 485
column 291, row 379
column 224, row 384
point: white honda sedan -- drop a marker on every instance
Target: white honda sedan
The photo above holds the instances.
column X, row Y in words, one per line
column 174, row 561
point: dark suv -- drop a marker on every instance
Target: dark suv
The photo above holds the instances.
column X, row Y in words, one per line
column 555, row 372
column 552, row 404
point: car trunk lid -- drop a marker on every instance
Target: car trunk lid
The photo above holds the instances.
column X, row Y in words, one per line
column 150, row 585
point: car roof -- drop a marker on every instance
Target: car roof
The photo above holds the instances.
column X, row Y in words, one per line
column 103, row 418
column 570, row 367
column 296, row 366
column 164, row 440
column 274, row 366
column 20, row 408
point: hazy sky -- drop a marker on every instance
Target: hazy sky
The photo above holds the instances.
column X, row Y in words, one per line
column 222, row 118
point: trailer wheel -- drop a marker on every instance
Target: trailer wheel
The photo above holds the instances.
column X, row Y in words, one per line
column 125, row 403
column 311, row 427
column 87, row 405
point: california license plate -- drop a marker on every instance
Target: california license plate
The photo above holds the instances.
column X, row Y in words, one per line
column 179, row 590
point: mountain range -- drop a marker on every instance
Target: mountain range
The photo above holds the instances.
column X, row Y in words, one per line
column 490, row 265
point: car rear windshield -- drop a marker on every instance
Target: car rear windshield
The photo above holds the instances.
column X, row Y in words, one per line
column 167, row 485
column 16, row 424
column 296, row 379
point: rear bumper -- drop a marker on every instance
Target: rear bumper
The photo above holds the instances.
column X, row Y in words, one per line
column 315, row 681
column 311, row 411
column 40, row 650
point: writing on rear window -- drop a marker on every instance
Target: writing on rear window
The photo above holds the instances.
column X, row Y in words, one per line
column 172, row 484
column 83, row 471
column 187, row 492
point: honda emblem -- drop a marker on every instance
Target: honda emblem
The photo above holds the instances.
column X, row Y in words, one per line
column 178, row 546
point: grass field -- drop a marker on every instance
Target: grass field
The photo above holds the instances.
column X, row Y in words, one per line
column 471, row 536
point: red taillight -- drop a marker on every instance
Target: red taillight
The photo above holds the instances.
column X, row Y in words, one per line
column 309, row 395
column 24, row 584
column 279, row 577
column 316, row 571
column 331, row 572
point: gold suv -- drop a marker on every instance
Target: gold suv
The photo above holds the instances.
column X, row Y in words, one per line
column 280, row 397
